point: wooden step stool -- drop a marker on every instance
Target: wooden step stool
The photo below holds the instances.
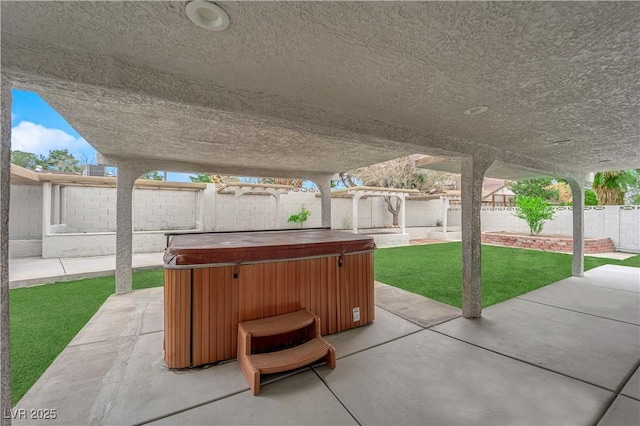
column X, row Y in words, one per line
column 313, row 349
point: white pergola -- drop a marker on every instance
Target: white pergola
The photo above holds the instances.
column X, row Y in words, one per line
column 241, row 188
column 356, row 193
column 309, row 89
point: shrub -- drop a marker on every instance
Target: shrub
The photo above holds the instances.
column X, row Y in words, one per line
column 300, row 217
column 346, row 222
column 535, row 211
column 590, row 198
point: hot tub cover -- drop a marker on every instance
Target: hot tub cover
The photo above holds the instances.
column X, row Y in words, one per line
column 246, row 247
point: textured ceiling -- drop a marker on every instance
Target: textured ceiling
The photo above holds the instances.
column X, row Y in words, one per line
column 323, row 87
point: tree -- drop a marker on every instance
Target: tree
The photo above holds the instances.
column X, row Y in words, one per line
column 535, row 211
column 540, row 187
column 62, row 160
column 27, row 160
column 58, row 159
column 612, row 186
column 565, row 197
column 296, row 183
column 200, row 177
column 209, row 178
column 152, row 175
column 398, row 173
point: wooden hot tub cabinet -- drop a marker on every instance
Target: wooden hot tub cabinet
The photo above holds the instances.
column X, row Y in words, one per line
column 214, row 281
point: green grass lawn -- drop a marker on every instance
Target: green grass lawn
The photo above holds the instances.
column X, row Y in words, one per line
column 44, row 319
column 435, row 270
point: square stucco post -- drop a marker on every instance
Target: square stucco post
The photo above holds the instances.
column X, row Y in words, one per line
column 127, row 175
column 46, row 208
column 445, row 216
column 473, row 170
column 323, row 182
column 403, row 213
column 577, row 194
column 354, row 212
column 5, row 176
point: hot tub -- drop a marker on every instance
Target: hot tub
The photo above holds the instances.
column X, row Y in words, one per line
column 213, row 281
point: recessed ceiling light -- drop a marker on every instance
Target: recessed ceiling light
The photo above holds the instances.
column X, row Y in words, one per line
column 562, row 142
column 476, row 110
column 207, row 15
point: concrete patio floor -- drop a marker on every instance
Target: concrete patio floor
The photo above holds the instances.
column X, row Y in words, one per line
column 567, row 353
column 28, row 271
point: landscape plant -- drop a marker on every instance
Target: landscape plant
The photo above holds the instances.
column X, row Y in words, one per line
column 535, row 211
column 346, row 223
column 540, row 187
column 612, row 186
column 301, row 217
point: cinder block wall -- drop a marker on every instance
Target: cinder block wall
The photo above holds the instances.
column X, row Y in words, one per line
column 89, row 209
column 93, row 209
column 629, row 229
column 25, row 215
column 160, row 210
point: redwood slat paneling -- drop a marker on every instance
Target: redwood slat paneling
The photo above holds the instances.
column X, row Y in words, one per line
column 261, row 290
column 177, row 319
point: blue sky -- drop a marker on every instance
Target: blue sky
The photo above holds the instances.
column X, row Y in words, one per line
column 36, row 127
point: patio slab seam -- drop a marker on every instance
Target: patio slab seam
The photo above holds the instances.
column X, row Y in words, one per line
column 610, row 288
column 618, row 392
column 573, row 310
column 150, row 332
column 378, row 344
column 63, row 268
column 182, row 410
column 523, row 361
column 344, row 405
column 626, row 380
column 409, row 319
column 93, row 342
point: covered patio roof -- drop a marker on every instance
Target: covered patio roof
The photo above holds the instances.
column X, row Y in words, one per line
column 300, row 88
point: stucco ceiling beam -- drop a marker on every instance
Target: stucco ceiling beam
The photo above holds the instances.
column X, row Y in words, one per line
column 82, row 74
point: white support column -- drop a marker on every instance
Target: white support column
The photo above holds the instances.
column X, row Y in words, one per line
column 275, row 194
column 127, row 174
column 354, row 212
column 46, row 208
column 200, row 210
column 324, row 185
column 577, row 194
column 63, row 205
column 403, row 213
column 56, row 205
column 473, row 170
column 445, row 216
column 5, row 176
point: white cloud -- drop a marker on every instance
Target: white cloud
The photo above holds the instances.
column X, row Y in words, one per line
column 32, row 137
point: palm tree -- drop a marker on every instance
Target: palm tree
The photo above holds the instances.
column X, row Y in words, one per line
column 611, row 186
